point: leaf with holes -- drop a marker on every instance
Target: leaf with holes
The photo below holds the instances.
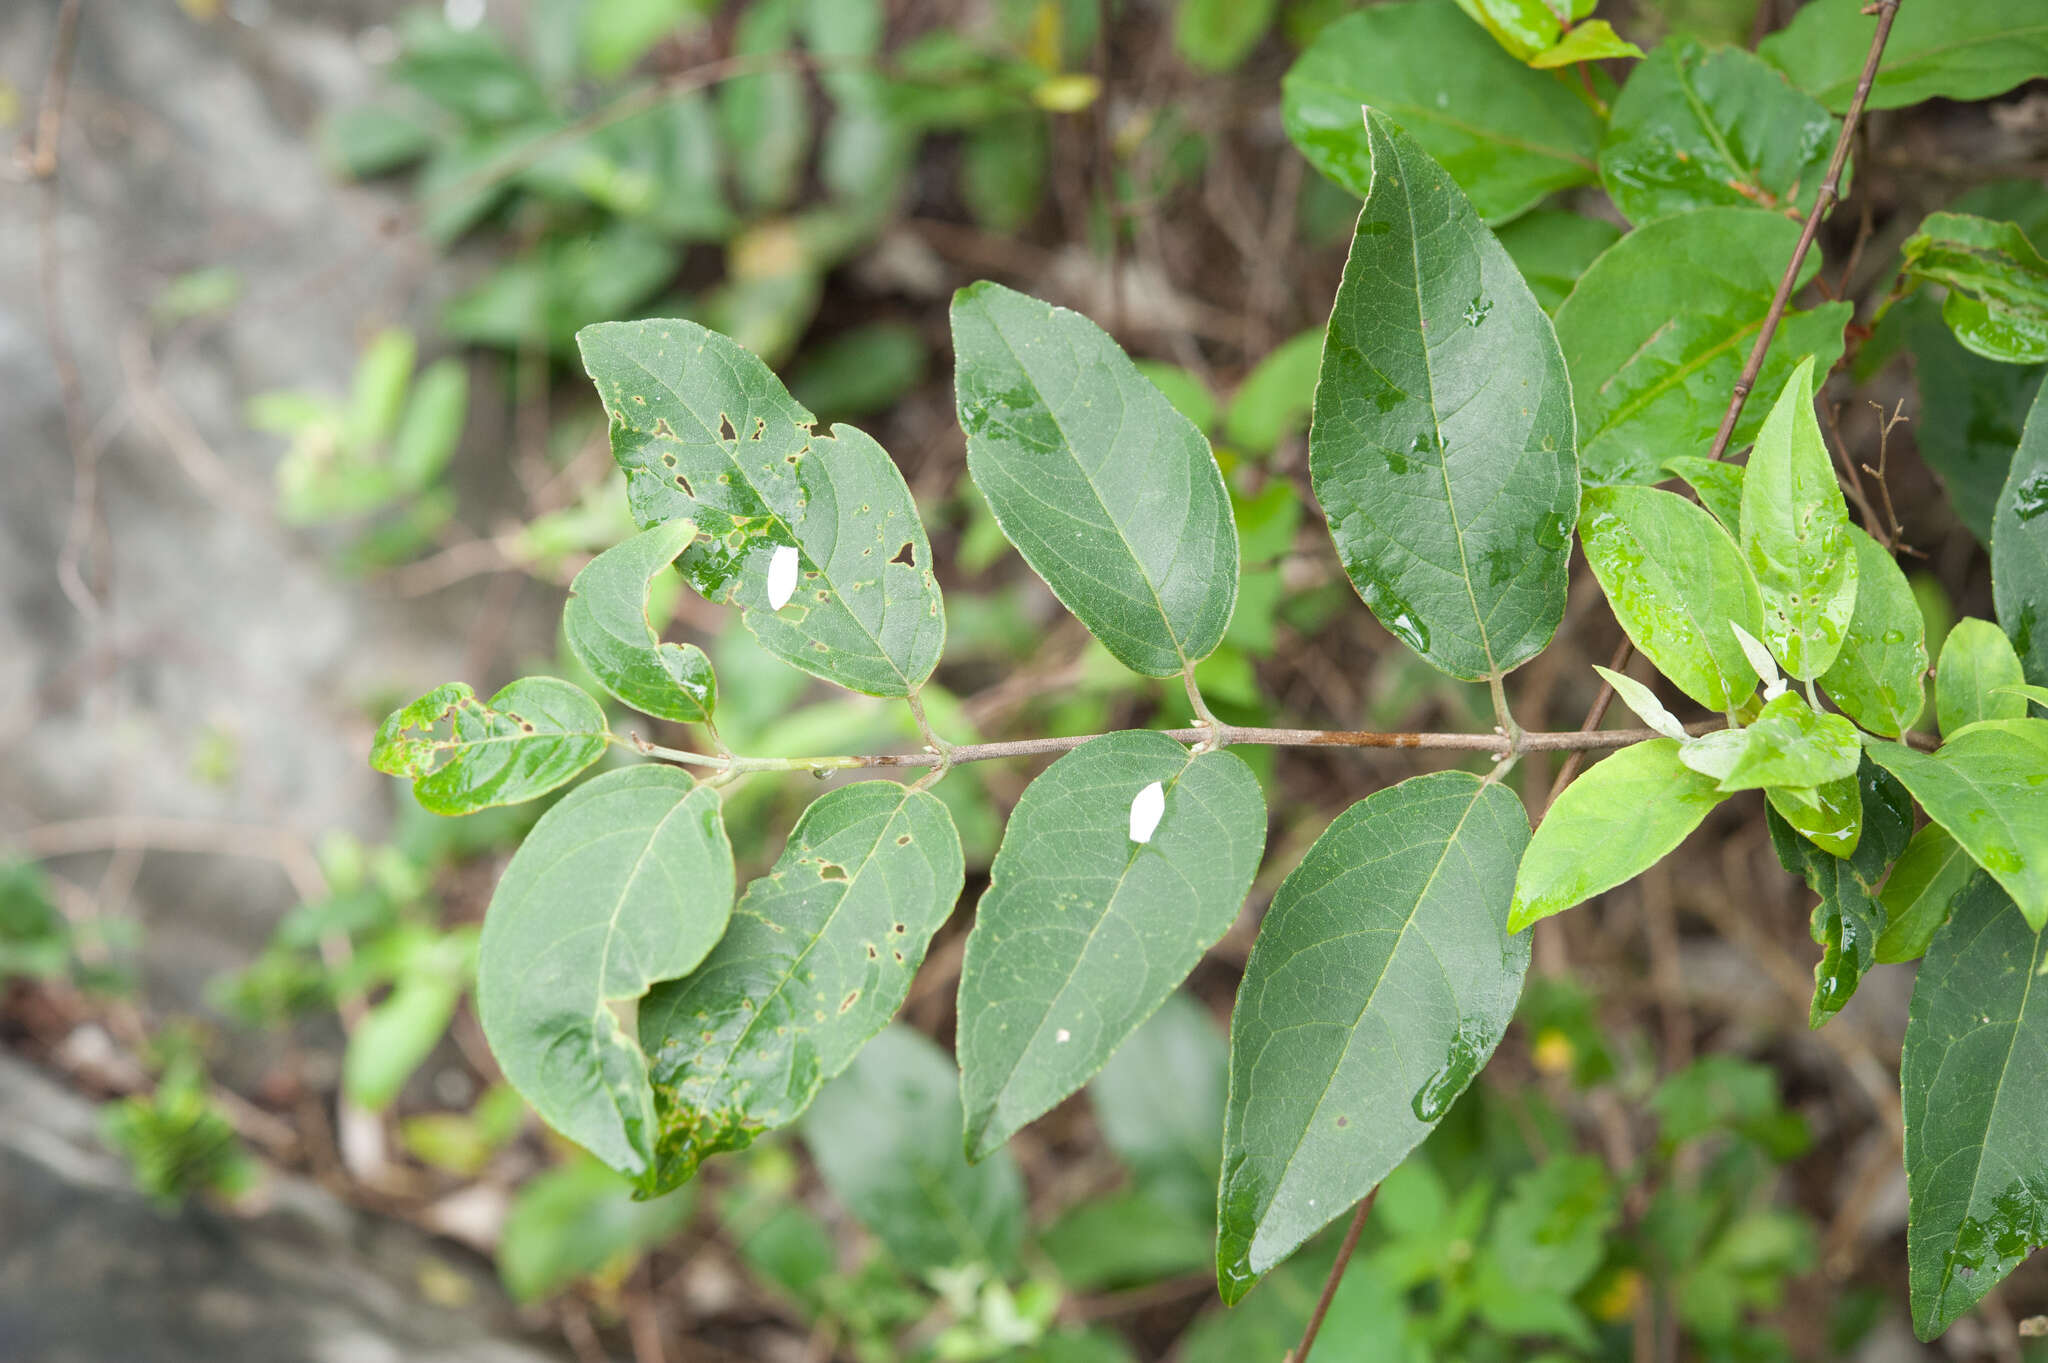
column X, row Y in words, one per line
column 531, row 737
column 2019, row 548
column 1879, row 677
column 626, row 882
column 1657, row 330
column 706, row 433
column 817, row 959
column 1997, row 283
column 1795, row 534
column 1084, row 931
column 1381, row 981
column 607, row 628
column 1986, row 787
column 1442, row 444
column 1112, row 496
column 1976, row 676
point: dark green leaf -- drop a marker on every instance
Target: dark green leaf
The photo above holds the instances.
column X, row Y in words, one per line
column 1717, row 482
column 1695, row 128
column 1160, row 1102
column 608, row 630
column 1615, row 821
column 573, row 1222
column 463, row 754
column 1508, row 135
column 1083, row 931
column 626, row 882
column 1969, row 51
column 1381, row 981
column 1984, row 787
column 885, row 1135
column 2019, row 548
column 1997, row 302
column 1442, row 445
column 706, row 433
column 1879, row 677
column 1112, row 496
column 1795, row 534
column 1847, row 921
column 1552, row 249
column 1657, row 331
column 1675, row 580
column 1974, row 1081
column 1922, row 892
column 862, row 371
column 817, row 959
column 1975, row 677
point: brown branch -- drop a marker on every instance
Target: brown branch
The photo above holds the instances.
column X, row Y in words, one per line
column 1315, row 1320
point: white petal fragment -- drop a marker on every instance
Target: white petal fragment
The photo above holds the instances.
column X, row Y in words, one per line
column 1146, row 810
column 1760, row 659
column 782, row 576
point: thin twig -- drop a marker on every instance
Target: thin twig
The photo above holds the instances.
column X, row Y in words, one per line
column 1570, row 767
column 1315, row 1320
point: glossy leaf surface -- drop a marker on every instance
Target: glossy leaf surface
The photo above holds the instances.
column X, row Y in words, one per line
column 1083, row 932
column 1795, row 534
column 1381, row 981
column 1442, row 448
column 1716, row 482
column 706, row 433
column 462, row 754
column 1790, row 743
column 2019, row 548
column 1969, row 51
column 818, row 957
column 1997, row 302
column 1830, row 815
column 1922, row 892
column 1986, row 788
column 1879, row 677
column 1849, row 918
column 626, row 882
column 1111, row 495
column 607, row 628
column 1976, row 676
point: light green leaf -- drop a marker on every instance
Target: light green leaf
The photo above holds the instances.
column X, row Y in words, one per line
column 1188, row 394
column 607, row 627
column 1083, row 931
column 1974, row 1082
column 1644, row 702
column 1381, row 981
column 394, row 1037
column 765, row 116
column 1003, row 165
column 1592, row 41
column 1217, row 35
column 378, row 388
column 1614, row 822
column 1112, row 496
column 1275, row 399
column 885, row 1138
column 574, row 1222
column 1675, row 580
column 706, row 433
column 1524, row 28
column 1985, row 787
column 1442, row 448
column 1976, row 676
column 1160, row 1102
column 1830, row 815
column 1971, row 51
column 1997, row 302
column 2019, row 548
column 2037, row 694
column 1552, row 249
column 1717, row 483
column 1879, row 677
column 1923, row 890
column 1795, row 534
column 1847, row 921
column 1695, row 128
column 817, row 959
column 432, row 426
column 1789, row 743
column 626, row 882
column 1657, row 331
column 1508, row 135
column 463, row 754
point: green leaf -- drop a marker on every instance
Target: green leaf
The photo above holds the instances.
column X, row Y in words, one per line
column 394, row 1037
column 1508, row 135
column 765, row 117
column 1997, row 302
column 1275, row 399
column 1717, row 482
column 1128, row 1239
column 1922, row 892
column 2019, row 548
column 1644, row 702
column 1657, row 331
column 462, row 754
column 367, row 140
column 1380, row 983
column 378, row 389
column 1695, row 128
column 1789, row 743
column 1552, row 249
column 1847, row 921
column 1160, row 1102
column 1112, row 496
column 1675, row 580
column 574, row 1222
column 608, row 629
column 705, row 432
column 1829, row 815
column 1614, row 822
column 616, row 34
column 1984, row 787
column 1975, row 677
column 432, row 425
column 1217, row 35
column 817, row 959
column 1083, row 932
column 1524, row 28
column 1879, row 677
column 1974, row 1081
column 1795, row 534
column 1003, row 165
column 1546, row 1240
column 1592, row 41
column 884, row 1135
column 1966, row 52
column 626, row 882
column 1442, row 445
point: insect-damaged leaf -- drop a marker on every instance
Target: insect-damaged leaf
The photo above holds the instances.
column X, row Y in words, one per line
column 1112, row 496
column 607, row 628
column 1083, row 932
column 626, row 882
column 531, row 737
column 706, row 433
column 1442, row 448
column 1381, row 981
column 817, row 959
